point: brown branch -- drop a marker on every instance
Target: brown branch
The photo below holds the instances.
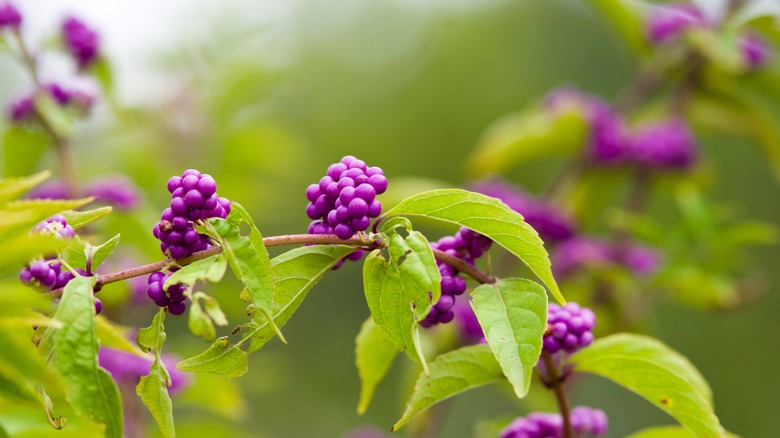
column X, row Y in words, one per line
column 291, row 239
column 560, row 395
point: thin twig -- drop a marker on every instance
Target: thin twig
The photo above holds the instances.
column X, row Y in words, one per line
column 560, row 395
column 290, row 239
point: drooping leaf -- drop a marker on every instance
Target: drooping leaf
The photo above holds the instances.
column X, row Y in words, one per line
column 374, row 353
column 199, row 322
column 295, row 272
column 89, row 388
column 153, row 388
column 513, row 316
column 211, row 269
column 22, row 150
column 627, row 19
column 12, row 188
column 450, row 374
column 489, row 217
column 657, row 373
column 520, row 137
column 220, row 358
column 78, row 219
column 392, row 304
column 248, row 259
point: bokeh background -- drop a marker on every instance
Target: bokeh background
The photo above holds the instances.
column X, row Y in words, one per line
column 264, row 95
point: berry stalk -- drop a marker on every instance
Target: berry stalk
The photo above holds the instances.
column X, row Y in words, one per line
column 61, row 144
column 557, row 385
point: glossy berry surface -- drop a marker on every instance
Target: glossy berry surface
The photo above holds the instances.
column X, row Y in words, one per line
column 174, row 298
column 569, row 328
column 585, row 422
column 467, row 246
column 194, row 199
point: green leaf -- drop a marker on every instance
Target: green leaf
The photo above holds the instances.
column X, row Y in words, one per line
column 60, row 121
column 392, row 304
column 513, row 315
column 199, row 323
column 210, row 269
column 519, row 137
column 450, row 374
column 374, row 353
column 153, row 337
column 153, row 388
column 220, row 358
column 99, row 254
column 78, row 219
column 89, row 388
column 669, row 432
column 44, row 208
column 211, row 306
column 295, row 273
column 627, row 19
column 487, row 216
column 22, row 150
column 417, row 268
column 657, row 373
column 248, row 259
column 12, row 188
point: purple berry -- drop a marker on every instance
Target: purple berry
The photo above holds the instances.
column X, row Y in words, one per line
column 174, row 183
column 82, row 42
column 312, row 192
column 9, row 16
column 344, row 231
column 569, row 328
column 177, row 308
column 360, row 223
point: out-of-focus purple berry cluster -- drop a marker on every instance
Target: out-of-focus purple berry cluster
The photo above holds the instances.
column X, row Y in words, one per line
column 666, row 144
column 585, row 421
column 569, row 328
column 579, row 253
column 81, row 41
column 10, row 18
column 22, row 110
column 552, row 224
column 128, row 368
column 667, row 23
column 115, row 190
column 467, row 246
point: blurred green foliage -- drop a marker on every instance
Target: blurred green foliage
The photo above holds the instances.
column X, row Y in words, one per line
column 410, row 88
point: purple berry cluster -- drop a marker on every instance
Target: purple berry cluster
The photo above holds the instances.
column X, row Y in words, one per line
column 569, row 328
column 173, row 298
column 552, row 225
column 467, row 246
column 344, row 201
column 128, row 368
column 9, row 16
column 667, row 144
column 115, row 190
column 667, row 22
column 48, row 274
column 82, row 42
column 579, row 253
column 22, row 110
column 585, row 421
column 193, row 198
column 55, row 226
